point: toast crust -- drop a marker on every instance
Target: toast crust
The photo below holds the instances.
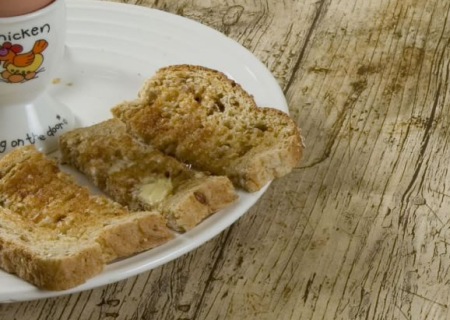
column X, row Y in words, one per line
column 203, row 118
column 18, row 256
column 54, row 234
column 122, row 166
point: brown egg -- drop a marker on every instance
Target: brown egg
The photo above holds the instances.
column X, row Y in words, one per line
column 30, row 75
column 16, row 78
column 6, row 74
column 10, row 8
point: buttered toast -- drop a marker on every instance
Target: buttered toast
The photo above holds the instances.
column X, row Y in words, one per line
column 54, row 234
column 136, row 175
column 203, row 118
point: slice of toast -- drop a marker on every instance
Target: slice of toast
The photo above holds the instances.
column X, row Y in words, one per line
column 143, row 178
column 203, row 118
column 56, row 235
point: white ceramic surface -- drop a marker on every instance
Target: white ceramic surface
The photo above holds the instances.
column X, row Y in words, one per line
column 112, row 49
column 31, row 49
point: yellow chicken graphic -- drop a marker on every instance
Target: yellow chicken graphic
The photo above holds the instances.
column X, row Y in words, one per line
column 20, row 67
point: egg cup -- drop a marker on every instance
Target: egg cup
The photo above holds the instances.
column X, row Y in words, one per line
column 31, row 49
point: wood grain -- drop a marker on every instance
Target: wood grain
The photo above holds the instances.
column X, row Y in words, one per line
column 361, row 229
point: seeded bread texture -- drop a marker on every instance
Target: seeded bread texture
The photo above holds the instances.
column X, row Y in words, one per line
column 132, row 172
column 54, row 234
column 203, row 118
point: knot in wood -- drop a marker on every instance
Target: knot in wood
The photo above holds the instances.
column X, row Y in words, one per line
column 232, row 16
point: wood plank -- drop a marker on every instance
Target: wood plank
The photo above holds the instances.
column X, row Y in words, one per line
column 361, row 231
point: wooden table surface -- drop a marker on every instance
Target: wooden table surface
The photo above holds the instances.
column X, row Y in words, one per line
column 361, row 230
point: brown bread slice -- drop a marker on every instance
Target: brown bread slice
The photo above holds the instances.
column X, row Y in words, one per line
column 54, row 234
column 205, row 119
column 143, row 178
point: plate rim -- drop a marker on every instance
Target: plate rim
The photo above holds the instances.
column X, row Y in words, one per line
column 34, row 293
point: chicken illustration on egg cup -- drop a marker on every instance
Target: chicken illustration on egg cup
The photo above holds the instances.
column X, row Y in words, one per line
column 31, row 51
column 19, row 67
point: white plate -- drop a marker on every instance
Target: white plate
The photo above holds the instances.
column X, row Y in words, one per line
column 111, row 49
